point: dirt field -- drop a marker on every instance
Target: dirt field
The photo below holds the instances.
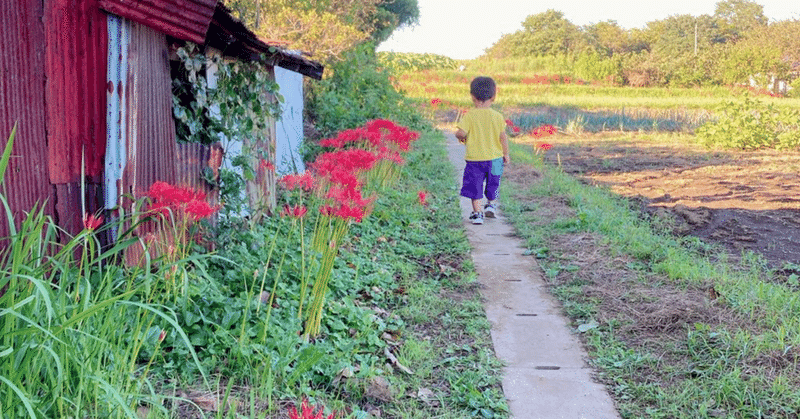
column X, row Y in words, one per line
column 740, row 200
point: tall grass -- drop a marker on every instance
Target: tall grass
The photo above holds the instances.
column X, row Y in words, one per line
column 74, row 325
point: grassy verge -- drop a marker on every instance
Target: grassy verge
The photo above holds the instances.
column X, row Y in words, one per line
column 217, row 335
column 673, row 328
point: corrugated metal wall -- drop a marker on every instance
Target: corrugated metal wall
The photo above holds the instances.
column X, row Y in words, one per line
column 150, row 140
column 182, row 19
column 75, row 63
column 22, row 102
column 193, row 160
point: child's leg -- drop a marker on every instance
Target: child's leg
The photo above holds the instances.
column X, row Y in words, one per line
column 473, row 181
column 476, row 205
column 493, row 181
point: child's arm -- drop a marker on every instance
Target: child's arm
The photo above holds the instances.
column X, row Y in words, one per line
column 461, row 135
column 504, row 143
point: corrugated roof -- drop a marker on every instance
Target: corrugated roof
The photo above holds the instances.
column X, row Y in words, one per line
column 183, row 19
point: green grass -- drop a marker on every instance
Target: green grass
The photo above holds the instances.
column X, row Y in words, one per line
column 711, row 371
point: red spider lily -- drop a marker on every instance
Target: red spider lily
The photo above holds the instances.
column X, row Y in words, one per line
column 515, row 129
column 307, row 412
column 349, row 160
column 167, row 198
column 303, row 181
column 343, row 211
column 436, row 102
column 266, row 165
column 91, row 222
column 545, row 146
column 392, row 133
column 509, row 122
column 297, row 211
column 423, row 198
column 351, row 136
column 544, row 131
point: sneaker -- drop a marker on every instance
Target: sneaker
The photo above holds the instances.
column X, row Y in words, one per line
column 490, row 210
column 476, row 217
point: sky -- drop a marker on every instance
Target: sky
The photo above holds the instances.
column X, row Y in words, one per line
column 463, row 29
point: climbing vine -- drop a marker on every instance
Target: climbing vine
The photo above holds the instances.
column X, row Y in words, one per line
column 240, row 106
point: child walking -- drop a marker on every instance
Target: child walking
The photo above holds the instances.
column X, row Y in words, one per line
column 483, row 131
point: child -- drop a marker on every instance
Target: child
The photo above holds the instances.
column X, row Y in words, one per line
column 483, row 131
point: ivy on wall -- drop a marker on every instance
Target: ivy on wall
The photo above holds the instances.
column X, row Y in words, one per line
column 240, row 108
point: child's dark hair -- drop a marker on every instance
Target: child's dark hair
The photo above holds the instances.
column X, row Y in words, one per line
column 483, row 88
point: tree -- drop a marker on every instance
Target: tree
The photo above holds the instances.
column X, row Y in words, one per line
column 608, row 38
column 326, row 28
column 391, row 15
column 683, row 34
column 738, row 17
column 548, row 33
column 766, row 54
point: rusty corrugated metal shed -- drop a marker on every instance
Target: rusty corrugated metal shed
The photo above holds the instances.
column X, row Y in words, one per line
column 22, row 102
column 183, row 19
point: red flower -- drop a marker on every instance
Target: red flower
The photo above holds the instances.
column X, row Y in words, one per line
column 515, row 129
column 545, row 146
column 266, row 165
column 307, row 412
column 293, row 181
column 423, row 198
column 544, row 131
column 168, row 199
column 91, row 222
column 297, row 211
column 436, row 101
column 509, row 122
column 198, row 210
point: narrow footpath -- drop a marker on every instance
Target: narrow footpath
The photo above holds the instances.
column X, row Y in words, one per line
column 546, row 375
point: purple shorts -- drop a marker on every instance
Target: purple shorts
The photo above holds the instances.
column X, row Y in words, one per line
column 480, row 173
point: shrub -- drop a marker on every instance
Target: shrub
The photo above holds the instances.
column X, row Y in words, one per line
column 356, row 92
column 750, row 124
column 403, row 62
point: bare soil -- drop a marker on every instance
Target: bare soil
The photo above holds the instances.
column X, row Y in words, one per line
column 738, row 200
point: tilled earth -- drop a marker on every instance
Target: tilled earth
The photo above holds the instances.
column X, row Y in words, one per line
column 739, row 200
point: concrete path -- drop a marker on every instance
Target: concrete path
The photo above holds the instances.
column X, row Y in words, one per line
column 546, row 375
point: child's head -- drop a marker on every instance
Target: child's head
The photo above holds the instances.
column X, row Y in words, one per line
column 483, row 88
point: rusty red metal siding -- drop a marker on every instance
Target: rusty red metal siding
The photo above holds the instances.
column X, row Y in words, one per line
column 183, row 19
column 195, row 163
column 75, row 67
column 75, row 80
column 22, row 102
column 152, row 149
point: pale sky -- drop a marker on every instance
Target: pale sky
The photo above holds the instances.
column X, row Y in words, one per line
column 463, row 29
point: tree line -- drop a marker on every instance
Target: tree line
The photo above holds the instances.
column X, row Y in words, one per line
column 325, row 29
column 736, row 45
